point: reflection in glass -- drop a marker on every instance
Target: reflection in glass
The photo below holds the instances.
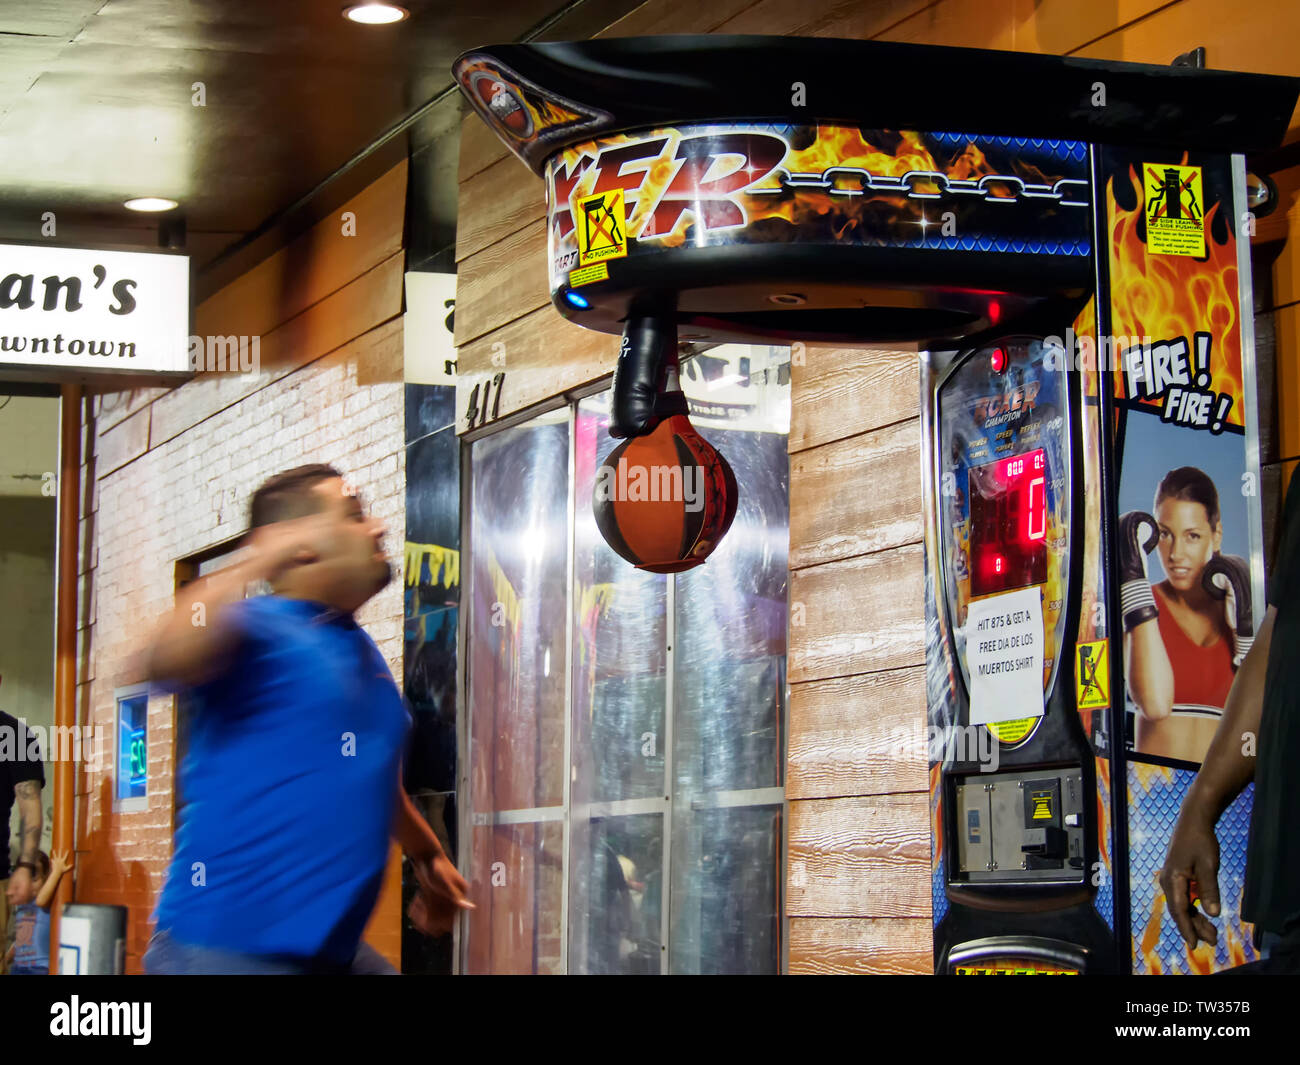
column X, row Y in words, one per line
column 618, row 647
column 616, row 894
column 516, row 684
column 726, row 890
column 517, row 889
column 519, row 524
column 716, row 784
column 730, row 681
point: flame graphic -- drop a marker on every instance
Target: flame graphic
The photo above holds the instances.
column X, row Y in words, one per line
column 545, row 113
column 1201, row 961
column 833, row 146
column 1103, row 810
column 1168, row 296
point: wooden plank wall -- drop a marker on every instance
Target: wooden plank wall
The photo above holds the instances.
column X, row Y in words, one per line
column 858, row 887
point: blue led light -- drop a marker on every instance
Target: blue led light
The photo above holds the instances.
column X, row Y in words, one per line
column 577, row 300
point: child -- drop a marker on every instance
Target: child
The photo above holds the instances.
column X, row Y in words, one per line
column 30, row 954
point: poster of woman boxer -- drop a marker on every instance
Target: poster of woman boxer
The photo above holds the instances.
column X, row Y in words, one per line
column 1185, row 594
column 1186, row 545
column 1187, row 548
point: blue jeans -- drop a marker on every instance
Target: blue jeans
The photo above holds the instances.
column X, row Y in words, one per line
column 167, row 957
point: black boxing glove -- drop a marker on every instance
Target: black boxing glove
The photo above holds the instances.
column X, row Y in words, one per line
column 1136, row 601
column 641, row 377
column 1227, row 578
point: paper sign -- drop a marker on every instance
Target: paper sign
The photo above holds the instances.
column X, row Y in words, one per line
column 1004, row 655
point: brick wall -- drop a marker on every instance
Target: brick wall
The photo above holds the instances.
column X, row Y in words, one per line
column 168, row 473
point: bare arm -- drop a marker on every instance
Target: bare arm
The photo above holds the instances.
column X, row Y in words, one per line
column 412, row 832
column 443, row 891
column 28, row 794
column 1149, row 673
column 193, row 642
column 59, row 865
column 1228, row 767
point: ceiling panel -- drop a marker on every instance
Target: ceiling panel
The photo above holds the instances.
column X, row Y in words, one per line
column 95, row 107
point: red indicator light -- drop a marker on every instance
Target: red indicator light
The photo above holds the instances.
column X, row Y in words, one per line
column 998, row 360
column 995, row 313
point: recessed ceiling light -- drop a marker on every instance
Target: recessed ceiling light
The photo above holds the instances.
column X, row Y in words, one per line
column 149, row 203
column 375, row 14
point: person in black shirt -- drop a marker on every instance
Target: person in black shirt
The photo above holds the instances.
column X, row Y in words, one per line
column 1258, row 740
column 22, row 776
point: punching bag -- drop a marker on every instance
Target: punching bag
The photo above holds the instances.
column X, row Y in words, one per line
column 665, row 496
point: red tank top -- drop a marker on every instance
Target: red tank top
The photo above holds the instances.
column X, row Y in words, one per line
column 1202, row 675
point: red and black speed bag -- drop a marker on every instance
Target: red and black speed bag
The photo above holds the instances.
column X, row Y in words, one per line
column 664, row 500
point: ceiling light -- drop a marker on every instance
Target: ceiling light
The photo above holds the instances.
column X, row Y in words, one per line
column 149, row 203
column 375, row 14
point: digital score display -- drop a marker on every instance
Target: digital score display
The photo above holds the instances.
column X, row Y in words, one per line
column 1008, row 523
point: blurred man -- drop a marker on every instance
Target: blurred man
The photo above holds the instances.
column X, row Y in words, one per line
column 292, row 779
column 22, row 776
column 1257, row 740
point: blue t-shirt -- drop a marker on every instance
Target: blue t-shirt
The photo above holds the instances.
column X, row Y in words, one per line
column 290, row 783
column 31, row 938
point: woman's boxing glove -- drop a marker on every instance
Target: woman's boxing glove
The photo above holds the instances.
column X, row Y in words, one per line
column 1136, row 601
column 1227, row 578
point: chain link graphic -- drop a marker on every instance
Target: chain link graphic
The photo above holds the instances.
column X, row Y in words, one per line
column 1068, row 192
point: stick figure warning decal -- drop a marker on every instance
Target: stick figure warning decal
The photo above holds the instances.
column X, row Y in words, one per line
column 1092, row 675
column 1175, row 210
column 602, row 227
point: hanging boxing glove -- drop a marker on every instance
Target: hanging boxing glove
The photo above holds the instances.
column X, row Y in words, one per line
column 1227, row 578
column 1136, row 600
column 658, row 531
column 646, row 357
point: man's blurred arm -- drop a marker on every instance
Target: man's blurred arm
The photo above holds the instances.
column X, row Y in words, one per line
column 412, row 831
column 1194, row 849
column 443, row 891
column 1226, row 769
column 192, row 643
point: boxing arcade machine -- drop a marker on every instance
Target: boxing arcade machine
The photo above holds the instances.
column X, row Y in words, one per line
column 693, row 194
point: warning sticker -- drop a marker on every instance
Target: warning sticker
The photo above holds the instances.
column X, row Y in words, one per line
column 1042, row 805
column 1092, row 675
column 1015, row 731
column 587, row 274
column 601, row 224
column 1174, row 210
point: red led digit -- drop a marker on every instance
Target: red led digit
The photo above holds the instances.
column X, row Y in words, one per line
column 1009, row 523
column 1037, row 510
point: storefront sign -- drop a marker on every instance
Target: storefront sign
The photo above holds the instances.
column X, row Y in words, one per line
column 428, row 329
column 68, row 310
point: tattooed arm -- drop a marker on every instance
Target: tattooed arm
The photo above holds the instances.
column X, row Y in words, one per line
column 28, row 793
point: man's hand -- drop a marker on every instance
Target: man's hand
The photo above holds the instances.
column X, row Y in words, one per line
column 441, row 897
column 188, row 651
column 271, row 549
column 1193, row 858
column 20, row 890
